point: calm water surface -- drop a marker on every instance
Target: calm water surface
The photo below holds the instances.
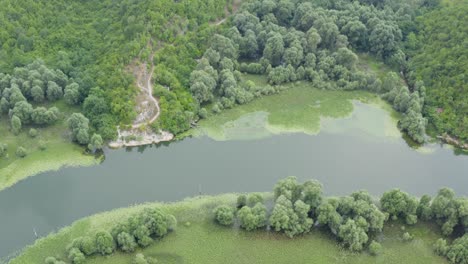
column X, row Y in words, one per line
column 342, row 162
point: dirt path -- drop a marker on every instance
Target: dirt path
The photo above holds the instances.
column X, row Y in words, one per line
column 145, row 85
column 147, row 107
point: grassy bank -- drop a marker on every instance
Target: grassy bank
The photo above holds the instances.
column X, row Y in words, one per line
column 59, row 150
column 198, row 240
column 301, row 108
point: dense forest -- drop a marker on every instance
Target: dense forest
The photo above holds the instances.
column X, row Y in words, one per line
column 89, row 44
column 439, row 54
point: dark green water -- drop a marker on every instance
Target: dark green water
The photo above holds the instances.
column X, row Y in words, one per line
column 342, row 162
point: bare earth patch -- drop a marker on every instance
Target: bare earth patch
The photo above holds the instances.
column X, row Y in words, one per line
column 147, row 108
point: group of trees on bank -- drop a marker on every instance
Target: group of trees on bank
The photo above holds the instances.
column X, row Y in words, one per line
column 91, row 42
column 315, row 41
column 355, row 220
column 138, row 231
column 34, row 84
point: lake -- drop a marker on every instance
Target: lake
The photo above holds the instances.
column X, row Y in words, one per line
column 345, row 156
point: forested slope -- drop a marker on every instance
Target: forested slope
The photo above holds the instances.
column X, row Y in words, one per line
column 92, row 41
column 440, row 58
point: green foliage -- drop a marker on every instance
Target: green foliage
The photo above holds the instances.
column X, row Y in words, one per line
column 293, row 219
column 52, row 260
column 3, row 149
column 105, row 243
column 126, row 242
column 85, row 244
column 241, row 201
column 141, row 259
column 449, row 211
column 400, row 204
column 95, row 143
column 78, row 124
column 438, row 58
column 407, row 236
column 353, row 235
column 252, row 218
column 254, row 198
column 15, row 124
column 33, row 132
column 458, row 250
column 375, row 248
column 424, row 211
column 224, row 215
column 76, row 256
column 21, row 152
column 440, row 247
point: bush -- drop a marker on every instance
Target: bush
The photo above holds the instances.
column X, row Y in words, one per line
column 375, row 248
column 252, row 218
column 76, row 256
column 126, row 242
column 224, row 215
column 458, row 251
column 203, row 113
column 42, row 145
column 85, row 244
column 440, row 247
column 21, row 152
column 52, row 260
column 407, row 236
column 3, row 149
column 241, row 201
column 32, row 133
column 141, row 259
column 105, row 244
column 254, row 198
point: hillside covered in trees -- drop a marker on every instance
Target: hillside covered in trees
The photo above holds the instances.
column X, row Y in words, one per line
column 439, row 53
column 89, row 43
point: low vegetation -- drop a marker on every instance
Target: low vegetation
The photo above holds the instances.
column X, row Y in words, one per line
column 295, row 210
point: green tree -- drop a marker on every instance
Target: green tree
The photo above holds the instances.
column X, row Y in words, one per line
column 15, row 124
column 400, row 204
column 126, row 242
column 76, row 256
column 224, row 215
column 458, row 250
column 72, row 94
column 3, row 149
column 274, row 49
column 54, row 92
column 95, row 143
column 375, row 248
column 105, row 243
column 21, row 152
column 424, row 211
column 353, row 235
column 252, row 218
column 79, row 125
column 37, row 94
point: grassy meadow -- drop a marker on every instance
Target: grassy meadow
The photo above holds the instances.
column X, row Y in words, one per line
column 59, row 150
column 197, row 239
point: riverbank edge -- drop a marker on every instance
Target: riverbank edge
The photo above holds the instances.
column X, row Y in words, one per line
column 190, row 212
column 31, row 165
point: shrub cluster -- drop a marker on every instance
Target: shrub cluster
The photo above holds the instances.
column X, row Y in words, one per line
column 355, row 220
column 139, row 230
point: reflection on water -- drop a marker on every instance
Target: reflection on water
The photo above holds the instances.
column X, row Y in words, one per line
column 343, row 161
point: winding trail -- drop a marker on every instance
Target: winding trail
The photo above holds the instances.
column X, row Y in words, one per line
column 149, row 90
